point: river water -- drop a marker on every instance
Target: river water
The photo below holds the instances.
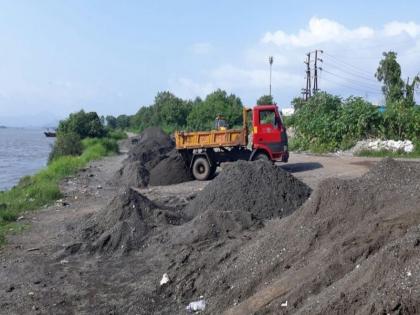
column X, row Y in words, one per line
column 22, row 152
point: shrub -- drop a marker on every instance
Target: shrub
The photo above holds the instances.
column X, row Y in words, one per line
column 84, row 124
column 66, row 144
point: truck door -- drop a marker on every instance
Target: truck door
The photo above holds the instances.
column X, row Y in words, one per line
column 268, row 131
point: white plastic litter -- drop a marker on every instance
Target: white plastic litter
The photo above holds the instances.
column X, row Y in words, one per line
column 197, row 306
column 284, row 304
column 165, row 279
column 388, row 145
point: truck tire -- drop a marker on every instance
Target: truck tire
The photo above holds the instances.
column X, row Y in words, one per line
column 261, row 157
column 201, row 169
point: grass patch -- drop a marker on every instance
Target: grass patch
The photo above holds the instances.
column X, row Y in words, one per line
column 41, row 189
column 117, row 134
column 11, row 228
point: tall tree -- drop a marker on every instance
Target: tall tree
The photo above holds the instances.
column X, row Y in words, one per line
column 203, row 113
column 389, row 72
column 265, row 100
column 410, row 88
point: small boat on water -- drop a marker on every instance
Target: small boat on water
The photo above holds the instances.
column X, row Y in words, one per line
column 50, row 134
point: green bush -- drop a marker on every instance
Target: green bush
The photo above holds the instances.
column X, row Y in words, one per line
column 327, row 123
column 66, row 144
column 117, row 134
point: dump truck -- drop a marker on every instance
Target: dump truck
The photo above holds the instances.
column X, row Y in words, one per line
column 262, row 137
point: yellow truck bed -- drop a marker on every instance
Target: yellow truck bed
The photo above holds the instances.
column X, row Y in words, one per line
column 211, row 139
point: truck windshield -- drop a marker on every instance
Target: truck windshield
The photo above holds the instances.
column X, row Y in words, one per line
column 267, row 117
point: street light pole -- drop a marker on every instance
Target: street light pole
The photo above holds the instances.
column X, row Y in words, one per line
column 270, row 60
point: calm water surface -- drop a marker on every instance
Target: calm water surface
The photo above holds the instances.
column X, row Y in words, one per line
column 22, row 152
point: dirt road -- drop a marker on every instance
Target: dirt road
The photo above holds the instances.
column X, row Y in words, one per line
column 35, row 276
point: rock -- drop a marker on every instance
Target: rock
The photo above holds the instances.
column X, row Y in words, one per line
column 10, row 289
column 165, row 279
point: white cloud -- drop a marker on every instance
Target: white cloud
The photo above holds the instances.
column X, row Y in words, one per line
column 233, row 77
column 350, row 59
column 187, row 88
column 396, row 28
column 201, row 48
column 318, row 31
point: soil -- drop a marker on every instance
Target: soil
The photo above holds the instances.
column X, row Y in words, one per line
column 152, row 160
column 352, row 247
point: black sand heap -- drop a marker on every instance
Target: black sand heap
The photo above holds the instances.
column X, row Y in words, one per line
column 259, row 188
column 242, row 196
column 246, row 246
column 152, row 160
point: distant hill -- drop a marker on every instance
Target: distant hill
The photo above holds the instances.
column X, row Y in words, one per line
column 40, row 120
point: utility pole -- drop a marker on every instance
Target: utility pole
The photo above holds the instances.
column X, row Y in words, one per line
column 316, row 89
column 307, row 91
column 270, row 60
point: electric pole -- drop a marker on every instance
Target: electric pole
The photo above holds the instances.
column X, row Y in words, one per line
column 307, row 91
column 316, row 89
column 270, row 60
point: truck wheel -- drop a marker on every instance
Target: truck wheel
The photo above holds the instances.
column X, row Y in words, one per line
column 201, row 169
column 261, row 157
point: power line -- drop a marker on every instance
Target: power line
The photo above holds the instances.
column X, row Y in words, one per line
column 359, row 83
column 364, row 75
column 351, row 85
column 352, row 77
column 348, row 65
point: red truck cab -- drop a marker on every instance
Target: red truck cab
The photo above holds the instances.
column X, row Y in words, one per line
column 269, row 135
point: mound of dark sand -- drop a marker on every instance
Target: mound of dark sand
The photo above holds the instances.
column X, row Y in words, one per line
column 171, row 170
column 124, row 224
column 259, row 189
column 152, row 160
column 352, row 248
column 153, row 143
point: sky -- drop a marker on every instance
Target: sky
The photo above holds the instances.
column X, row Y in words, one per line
column 57, row 57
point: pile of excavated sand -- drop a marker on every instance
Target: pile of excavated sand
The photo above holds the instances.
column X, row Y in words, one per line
column 171, row 170
column 241, row 197
column 259, row 188
column 352, row 248
column 125, row 223
column 152, row 160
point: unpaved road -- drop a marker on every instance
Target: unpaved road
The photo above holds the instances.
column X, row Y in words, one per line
column 35, row 279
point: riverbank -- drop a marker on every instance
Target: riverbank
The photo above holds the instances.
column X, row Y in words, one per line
column 23, row 151
column 41, row 189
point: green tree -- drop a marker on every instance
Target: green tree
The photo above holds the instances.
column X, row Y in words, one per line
column 111, row 122
column 389, row 72
column 265, row 100
column 203, row 113
column 123, row 121
column 409, row 90
column 83, row 124
column 297, row 103
column 172, row 111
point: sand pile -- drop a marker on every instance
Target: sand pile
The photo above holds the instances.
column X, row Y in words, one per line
column 152, row 149
column 259, row 188
column 241, row 197
column 125, row 223
column 171, row 170
column 353, row 247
